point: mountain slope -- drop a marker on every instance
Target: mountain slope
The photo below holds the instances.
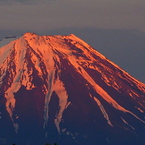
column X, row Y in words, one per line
column 59, row 89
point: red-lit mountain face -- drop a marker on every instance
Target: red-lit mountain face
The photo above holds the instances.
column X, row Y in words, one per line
column 59, row 89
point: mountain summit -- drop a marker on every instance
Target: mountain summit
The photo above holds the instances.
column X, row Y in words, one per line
column 59, row 89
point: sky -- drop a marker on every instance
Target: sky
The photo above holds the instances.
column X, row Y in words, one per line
column 116, row 28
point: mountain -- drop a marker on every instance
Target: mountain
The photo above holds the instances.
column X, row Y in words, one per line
column 60, row 89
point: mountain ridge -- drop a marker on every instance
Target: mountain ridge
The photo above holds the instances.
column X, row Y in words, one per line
column 62, row 75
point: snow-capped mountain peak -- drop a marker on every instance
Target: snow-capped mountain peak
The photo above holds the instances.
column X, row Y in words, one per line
column 61, row 79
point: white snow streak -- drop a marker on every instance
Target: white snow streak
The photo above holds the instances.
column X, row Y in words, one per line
column 127, row 123
column 103, row 111
column 63, row 96
column 16, row 84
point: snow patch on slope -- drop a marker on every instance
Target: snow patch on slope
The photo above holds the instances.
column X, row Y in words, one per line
column 63, row 100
